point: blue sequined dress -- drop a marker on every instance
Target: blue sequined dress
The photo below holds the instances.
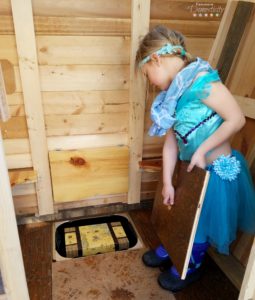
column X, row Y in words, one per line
column 229, row 205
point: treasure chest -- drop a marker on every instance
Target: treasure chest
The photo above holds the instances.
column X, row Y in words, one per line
column 93, row 236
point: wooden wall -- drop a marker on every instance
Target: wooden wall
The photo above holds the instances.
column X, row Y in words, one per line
column 83, row 50
column 83, row 54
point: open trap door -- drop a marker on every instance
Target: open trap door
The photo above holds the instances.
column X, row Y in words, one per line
column 93, row 236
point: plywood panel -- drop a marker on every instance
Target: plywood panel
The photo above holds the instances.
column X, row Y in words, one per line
column 183, row 216
column 88, row 173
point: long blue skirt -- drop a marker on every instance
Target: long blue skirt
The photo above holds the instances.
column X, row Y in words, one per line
column 228, row 206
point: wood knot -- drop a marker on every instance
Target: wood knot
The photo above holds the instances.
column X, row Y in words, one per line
column 77, row 161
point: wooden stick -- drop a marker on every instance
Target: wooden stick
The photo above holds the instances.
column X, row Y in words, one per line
column 140, row 26
column 28, row 64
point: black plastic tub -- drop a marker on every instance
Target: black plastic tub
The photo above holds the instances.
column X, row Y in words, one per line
column 91, row 236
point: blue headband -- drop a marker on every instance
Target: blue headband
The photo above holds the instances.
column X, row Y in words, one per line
column 166, row 49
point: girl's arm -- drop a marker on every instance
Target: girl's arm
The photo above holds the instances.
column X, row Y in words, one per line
column 170, row 152
column 223, row 103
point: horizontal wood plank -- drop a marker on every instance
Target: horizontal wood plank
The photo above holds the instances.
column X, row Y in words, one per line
column 25, row 204
column 21, row 146
column 91, row 124
column 60, row 125
column 94, row 172
column 119, row 198
column 81, row 78
column 22, row 176
column 16, row 146
column 160, row 9
column 87, row 141
column 62, row 50
column 17, row 161
column 74, row 103
column 82, row 50
column 51, row 25
column 24, row 189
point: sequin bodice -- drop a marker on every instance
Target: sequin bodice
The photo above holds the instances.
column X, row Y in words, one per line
column 195, row 121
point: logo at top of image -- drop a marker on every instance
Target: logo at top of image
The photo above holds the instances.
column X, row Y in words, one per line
column 205, row 10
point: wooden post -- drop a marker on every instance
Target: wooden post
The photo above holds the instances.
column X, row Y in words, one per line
column 140, row 25
column 11, row 262
column 28, row 65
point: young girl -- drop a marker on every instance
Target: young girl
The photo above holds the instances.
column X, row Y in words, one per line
column 198, row 115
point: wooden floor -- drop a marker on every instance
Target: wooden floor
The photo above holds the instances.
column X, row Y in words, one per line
column 36, row 243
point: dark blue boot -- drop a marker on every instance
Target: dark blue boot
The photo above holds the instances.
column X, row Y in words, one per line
column 171, row 280
column 157, row 258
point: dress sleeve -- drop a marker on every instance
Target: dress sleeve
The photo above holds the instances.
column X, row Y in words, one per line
column 202, row 87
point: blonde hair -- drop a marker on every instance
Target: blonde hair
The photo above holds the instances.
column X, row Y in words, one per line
column 157, row 38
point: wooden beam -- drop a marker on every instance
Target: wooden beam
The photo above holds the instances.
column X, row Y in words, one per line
column 28, row 64
column 11, row 262
column 235, row 33
column 248, row 287
column 84, row 212
column 139, row 27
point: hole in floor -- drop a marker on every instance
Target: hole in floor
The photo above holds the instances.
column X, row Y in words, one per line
column 85, row 237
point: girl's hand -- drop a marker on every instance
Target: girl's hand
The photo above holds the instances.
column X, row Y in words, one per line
column 198, row 159
column 168, row 194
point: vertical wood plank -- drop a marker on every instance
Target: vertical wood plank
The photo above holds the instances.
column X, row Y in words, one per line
column 4, row 111
column 222, row 32
column 11, row 262
column 140, row 12
column 28, row 64
column 248, row 287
